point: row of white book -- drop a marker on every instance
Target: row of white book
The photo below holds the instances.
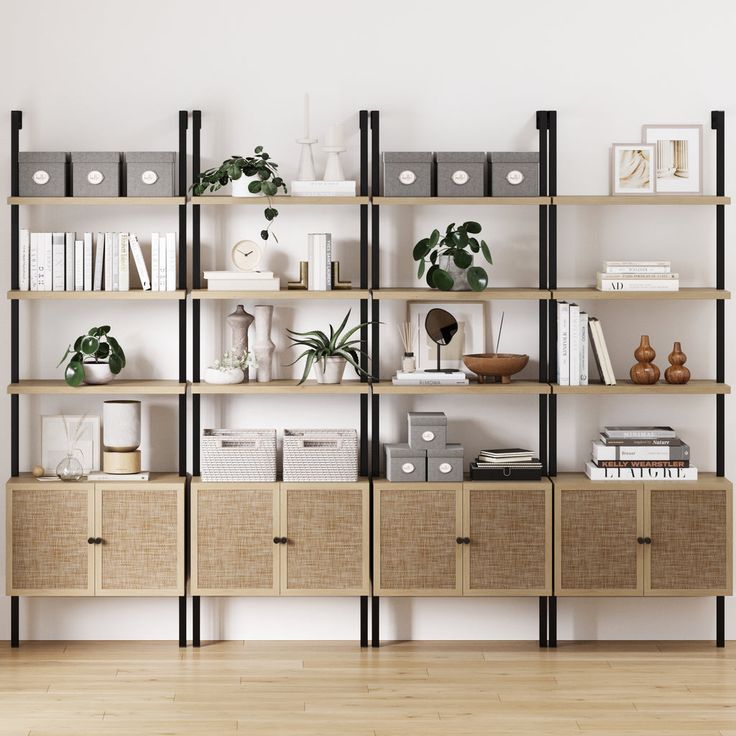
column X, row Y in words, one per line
column 66, row 262
column 637, row 276
column 319, row 257
column 576, row 330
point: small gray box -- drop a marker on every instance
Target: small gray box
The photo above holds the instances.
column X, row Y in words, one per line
column 461, row 174
column 407, row 174
column 42, row 174
column 95, row 174
column 514, row 174
column 151, row 173
column 445, row 465
column 427, row 430
column 404, row 464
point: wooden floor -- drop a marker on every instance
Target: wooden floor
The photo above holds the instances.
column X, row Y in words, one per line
column 328, row 688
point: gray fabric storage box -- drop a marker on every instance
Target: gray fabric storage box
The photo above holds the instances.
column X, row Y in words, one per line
column 42, row 174
column 445, row 464
column 427, row 430
column 514, row 174
column 150, row 173
column 404, row 464
column 461, row 174
column 407, row 174
column 95, row 174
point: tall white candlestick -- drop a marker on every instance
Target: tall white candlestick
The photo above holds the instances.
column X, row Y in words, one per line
column 334, row 136
column 306, row 116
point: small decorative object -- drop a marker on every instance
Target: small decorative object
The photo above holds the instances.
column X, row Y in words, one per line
column 333, row 148
column 329, row 355
column 228, row 369
column 500, row 366
column 246, row 255
column 63, row 435
column 514, row 174
column 461, row 174
column 252, row 176
column 677, row 373
column 306, row 160
column 644, row 372
column 264, row 347
column 408, row 362
column 42, row 174
column 441, row 327
column 336, row 283
column 320, row 455
column 450, row 258
column 121, row 436
column 150, row 174
column 303, row 282
column 238, row 455
column 404, row 464
column 37, row 471
column 96, row 358
column 679, row 157
column 69, row 468
column 239, row 322
column 407, row 173
column 632, row 168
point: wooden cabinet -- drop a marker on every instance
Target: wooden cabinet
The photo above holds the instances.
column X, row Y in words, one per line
column 280, row 538
column 452, row 539
column 95, row 538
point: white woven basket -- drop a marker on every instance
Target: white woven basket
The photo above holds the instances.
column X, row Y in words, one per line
column 231, row 455
column 320, row 455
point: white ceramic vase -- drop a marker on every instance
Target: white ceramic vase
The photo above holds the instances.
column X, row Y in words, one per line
column 459, row 275
column 215, row 375
column 264, row 346
column 239, row 187
column 121, row 425
column 330, row 370
column 97, row 374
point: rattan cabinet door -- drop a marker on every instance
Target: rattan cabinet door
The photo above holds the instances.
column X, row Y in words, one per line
column 47, row 533
column 142, row 533
column 416, row 529
column 233, row 532
column 507, row 529
column 596, row 533
column 325, row 526
column 690, row 552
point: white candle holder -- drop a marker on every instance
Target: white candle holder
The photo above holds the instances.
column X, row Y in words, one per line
column 333, row 169
column 306, row 160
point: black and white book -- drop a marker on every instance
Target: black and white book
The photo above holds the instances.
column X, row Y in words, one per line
column 505, row 456
column 640, row 441
column 629, row 267
column 636, row 432
column 640, row 452
column 595, row 473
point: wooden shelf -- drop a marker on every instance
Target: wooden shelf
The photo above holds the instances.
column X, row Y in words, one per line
column 515, row 387
column 284, row 294
column 472, row 201
column 435, row 295
column 99, row 201
column 580, row 481
column 640, row 199
column 134, row 294
column 627, row 387
column 214, row 199
column 687, row 292
column 154, row 479
column 116, row 386
column 282, row 386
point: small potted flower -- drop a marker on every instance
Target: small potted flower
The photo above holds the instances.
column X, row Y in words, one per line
column 96, row 358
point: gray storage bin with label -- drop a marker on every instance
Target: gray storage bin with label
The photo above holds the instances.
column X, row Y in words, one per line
column 427, row 430
column 150, row 173
column 407, row 174
column 461, row 174
column 445, row 465
column 42, row 173
column 95, row 173
column 404, row 464
column 514, row 174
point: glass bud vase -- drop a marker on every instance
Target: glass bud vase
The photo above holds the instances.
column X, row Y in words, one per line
column 70, row 468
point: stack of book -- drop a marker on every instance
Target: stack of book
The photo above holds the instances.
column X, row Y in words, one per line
column 242, row 281
column 429, row 378
column 322, row 188
column 637, row 276
column 512, row 463
column 319, row 255
column 575, row 331
column 640, row 453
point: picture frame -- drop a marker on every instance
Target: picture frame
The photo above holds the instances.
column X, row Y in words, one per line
column 678, row 156
column 632, row 168
column 470, row 337
column 54, row 442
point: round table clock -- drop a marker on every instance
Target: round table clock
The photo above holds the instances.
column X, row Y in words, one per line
column 246, row 255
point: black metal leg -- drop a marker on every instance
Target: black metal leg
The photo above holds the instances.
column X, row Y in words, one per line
column 364, row 621
column 543, row 621
column 195, row 621
column 182, row 620
column 375, row 621
column 14, row 621
column 552, row 641
column 720, row 621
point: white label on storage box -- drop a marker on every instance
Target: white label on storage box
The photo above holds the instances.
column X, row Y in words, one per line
column 149, row 177
column 514, row 177
column 445, row 467
column 407, row 468
column 407, row 177
column 41, row 176
column 460, row 177
column 95, row 177
column 427, row 436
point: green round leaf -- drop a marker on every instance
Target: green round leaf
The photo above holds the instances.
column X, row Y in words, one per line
column 74, row 374
column 463, row 259
column 269, row 188
column 90, row 345
column 94, row 331
column 433, row 256
column 472, row 227
column 442, row 280
column 103, row 351
column 78, row 343
column 264, row 234
column 254, row 187
column 474, row 245
column 269, row 213
column 420, row 270
column 434, row 237
column 421, row 249
column 486, row 251
column 104, row 329
column 234, row 172
column 258, row 149
column 430, row 276
column 477, row 278
column 116, row 363
column 450, row 227
column 265, row 156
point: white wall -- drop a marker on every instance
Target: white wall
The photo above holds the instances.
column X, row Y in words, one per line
column 445, row 76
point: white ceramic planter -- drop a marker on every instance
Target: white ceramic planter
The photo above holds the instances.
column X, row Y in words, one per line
column 215, row 375
column 97, row 374
column 239, row 187
column 121, row 425
column 459, row 275
column 330, row 370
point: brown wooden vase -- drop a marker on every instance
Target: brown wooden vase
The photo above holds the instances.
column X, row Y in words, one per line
column 677, row 373
column 644, row 372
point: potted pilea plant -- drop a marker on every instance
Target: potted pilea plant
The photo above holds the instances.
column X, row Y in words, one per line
column 448, row 260
column 230, row 368
column 329, row 355
column 251, row 176
column 96, row 358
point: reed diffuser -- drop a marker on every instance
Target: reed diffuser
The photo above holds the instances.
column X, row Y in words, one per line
column 408, row 362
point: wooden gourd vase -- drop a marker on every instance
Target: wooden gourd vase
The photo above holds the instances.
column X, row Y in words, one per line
column 677, row 373
column 644, row 372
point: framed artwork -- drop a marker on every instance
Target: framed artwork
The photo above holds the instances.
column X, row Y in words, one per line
column 470, row 337
column 632, row 168
column 61, row 434
column 678, row 156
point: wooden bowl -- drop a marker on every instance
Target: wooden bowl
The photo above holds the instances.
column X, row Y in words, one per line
column 500, row 366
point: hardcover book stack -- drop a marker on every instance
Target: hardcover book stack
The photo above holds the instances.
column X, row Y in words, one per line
column 322, row 188
column 512, row 463
column 640, row 453
column 242, row 281
column 430, row 378
column 637, row 276
column 575, row 331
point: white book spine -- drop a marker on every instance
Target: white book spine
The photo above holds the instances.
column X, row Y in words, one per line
column 583, row 349
column 605, row 358
column 99, row 262
column 33, row 277
column 88, row 261
column 634, row 268
column 57, row 244
column 650, row 285
column 162, row 262
column 116, row 261
column 310, row 262
column 154, row 262
column 629, row 452
column 323, row 262
column 48, row 257
column 328, row 261
column 24, row 261
column 108, row 261
column 79, row 265
column 574, row 345
column 140, row 263
column 123, row 263
column 170, row 261
column 69, row 248
column 563, row 343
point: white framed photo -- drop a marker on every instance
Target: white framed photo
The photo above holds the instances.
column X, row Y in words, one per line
column 632, row 168
column 678, row 156
column 62, row 434
column 470, row 336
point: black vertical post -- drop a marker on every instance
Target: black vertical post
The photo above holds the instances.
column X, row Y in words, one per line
column 195, row 622
column 552, row 284
column 16, row 123
column 552, row 640
column 182, row 621
column 720, row 621
column 14, row 621
column 364, row 621
column 543, row 267
column 363, row 124
column 182, row 285
column 543, row 621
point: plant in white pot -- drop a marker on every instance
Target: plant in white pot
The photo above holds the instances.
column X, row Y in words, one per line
column 329, row 355
column 251, row 176
column 230, row 368
column 96, row 358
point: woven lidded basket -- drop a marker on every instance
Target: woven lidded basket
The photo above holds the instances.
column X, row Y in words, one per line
column 320, row 455
column 231, row 455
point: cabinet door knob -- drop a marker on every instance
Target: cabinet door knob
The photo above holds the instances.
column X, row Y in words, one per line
column 91, row 540
column 460, row 540
column 98, row 540
column 466, row 540
column 277, row 540
column 284, row 540
column 647, row 540
column 640, row 540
